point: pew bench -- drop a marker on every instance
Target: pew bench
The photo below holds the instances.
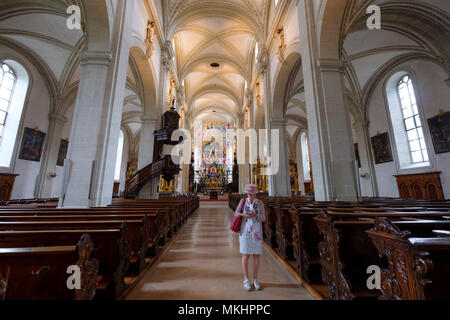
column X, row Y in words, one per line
column 136, row 231
column 110, row 249
column 416, row 268
column 41, row 272
column 346, row 252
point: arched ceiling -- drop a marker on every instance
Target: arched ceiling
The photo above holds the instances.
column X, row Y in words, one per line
column 44, row 35
column 221, row 32
column 409, row 30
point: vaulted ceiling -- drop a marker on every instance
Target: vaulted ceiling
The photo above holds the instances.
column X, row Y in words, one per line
column 410, row 30
column 43, row 37
column 215, row 49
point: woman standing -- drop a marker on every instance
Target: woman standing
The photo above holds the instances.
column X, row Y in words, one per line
column 251, row 234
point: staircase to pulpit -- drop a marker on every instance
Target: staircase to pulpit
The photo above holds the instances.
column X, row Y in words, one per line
column 162, row 162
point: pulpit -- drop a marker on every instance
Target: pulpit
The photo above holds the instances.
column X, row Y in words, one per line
column 6, row 185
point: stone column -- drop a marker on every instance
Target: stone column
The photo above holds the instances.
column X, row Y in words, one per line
column 97, row 118
column 279, row 182
column 50, row 156
column 150, row 190
column 264, row 69
column 244, row 176
column 145, row 156
column 331, row 142
column 300, row 169
column 186, row 166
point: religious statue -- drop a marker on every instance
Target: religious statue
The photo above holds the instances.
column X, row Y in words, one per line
column 259, row 102
column 150, row 39
column 172, row 93
column 281, row 45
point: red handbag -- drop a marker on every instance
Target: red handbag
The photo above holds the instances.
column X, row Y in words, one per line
column 236, row 224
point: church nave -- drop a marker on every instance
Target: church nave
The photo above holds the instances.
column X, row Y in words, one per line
column 203, row 263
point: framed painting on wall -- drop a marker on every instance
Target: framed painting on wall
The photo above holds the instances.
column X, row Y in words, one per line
column 62, row 153
column 32, row 145
column 131, row 168
column 382, row 148
column 440, row 132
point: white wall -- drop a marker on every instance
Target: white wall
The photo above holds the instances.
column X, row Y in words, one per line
column 125, row 159
column 36, row 111
column 434, row 95
column 57, row 183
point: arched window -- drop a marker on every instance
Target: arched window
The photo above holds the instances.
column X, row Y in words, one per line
column 406, row 119
column 14, row 81
column 412, row 121
column 119, row 157
column 7, row 85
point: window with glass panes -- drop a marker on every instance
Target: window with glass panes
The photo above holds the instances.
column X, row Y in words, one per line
column 412, row 121
column 7, row 83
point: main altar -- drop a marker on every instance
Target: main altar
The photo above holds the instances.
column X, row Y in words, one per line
column 213, row 158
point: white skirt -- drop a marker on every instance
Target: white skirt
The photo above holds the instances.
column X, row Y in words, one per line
column 248, row 246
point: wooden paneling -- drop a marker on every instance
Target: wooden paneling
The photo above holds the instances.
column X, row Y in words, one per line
column 6, row 186
column 421, row 186
column 116, row 189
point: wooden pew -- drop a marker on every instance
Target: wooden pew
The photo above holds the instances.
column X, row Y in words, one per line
column 416, row 268
column 346, row 252
column 442, row 233
column 156, row 226
column 270, row 225
column 305, row 241
column 137, row 234
column 110, row 249
column 40, row 272
column 284, row 234
column 158, row 223
column 172, row 214
column 51, row 226
column 306, row 235
column 162, row 226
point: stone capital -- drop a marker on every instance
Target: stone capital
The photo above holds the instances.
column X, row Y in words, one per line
column 279, row 122
column 167, row 65
column 95, row 58
column 331, row 65
column 57, row 118
column 148, row 121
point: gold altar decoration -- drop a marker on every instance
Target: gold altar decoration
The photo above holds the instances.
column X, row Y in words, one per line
column 165, row 187
column 262, row 181
column 293, row 174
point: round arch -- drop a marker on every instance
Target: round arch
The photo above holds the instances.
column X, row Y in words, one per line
column 281, row 84
column 97, row 17
column 147, row 81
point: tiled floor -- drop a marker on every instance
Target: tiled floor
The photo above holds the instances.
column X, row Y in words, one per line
column 203, row 263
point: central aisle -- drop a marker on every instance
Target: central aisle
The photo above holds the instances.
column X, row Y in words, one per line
column 204, row 263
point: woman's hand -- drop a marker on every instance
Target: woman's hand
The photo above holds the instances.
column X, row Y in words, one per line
column 253, row 214
column 249, row 216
